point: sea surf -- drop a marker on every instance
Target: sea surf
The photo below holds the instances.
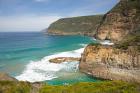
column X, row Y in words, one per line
column 25, row 55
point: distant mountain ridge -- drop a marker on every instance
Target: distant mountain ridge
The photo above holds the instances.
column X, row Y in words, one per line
column 84, row 25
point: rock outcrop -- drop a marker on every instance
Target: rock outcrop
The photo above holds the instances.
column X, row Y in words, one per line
column 6, row 77
column 122, row 20
column 64, row 59
column 9, row 84
column 107, row 62
column 84, row 25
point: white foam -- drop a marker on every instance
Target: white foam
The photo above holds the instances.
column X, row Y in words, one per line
column 94, row 39
column 83, row 45
column 107, row 42
column 44, row 70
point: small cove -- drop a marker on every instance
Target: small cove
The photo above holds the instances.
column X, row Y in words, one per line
column 25, row 56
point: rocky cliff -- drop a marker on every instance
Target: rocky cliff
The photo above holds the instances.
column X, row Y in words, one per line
column 122, row 20
column 85, row 25
column 111, row 63
column 121, row 61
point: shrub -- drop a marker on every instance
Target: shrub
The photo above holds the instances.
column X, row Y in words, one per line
column 14, row 87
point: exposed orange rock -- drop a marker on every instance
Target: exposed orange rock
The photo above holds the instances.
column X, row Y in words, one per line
column 122, row 20
column 6, row 77
column 108, row 62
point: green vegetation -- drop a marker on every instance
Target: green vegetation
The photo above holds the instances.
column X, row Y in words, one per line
column 76, row 25
column 14, row 87
column 95, row 44
column 130, row 40
column 126, row 6
column 97, row 87
column 83, row 87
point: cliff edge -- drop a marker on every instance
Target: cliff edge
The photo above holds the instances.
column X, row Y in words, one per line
column 121, row 61
column 107, row 62
column 120, row 21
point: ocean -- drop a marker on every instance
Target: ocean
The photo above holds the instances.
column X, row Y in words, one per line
column 25, row 55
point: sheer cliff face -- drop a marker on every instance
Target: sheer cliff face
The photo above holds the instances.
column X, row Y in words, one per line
column 123, row 19
column 110, row 63
column 121, row 61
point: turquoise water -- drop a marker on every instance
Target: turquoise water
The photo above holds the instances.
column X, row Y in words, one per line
column 25, row 56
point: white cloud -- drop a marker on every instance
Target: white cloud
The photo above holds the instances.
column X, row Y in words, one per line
column 26, row 23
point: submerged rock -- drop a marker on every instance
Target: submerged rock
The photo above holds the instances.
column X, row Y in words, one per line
column 64, row 59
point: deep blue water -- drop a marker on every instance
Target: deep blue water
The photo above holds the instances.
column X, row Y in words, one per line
column 18, row 49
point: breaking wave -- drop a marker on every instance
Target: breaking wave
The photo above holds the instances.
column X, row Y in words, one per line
column 43, row 70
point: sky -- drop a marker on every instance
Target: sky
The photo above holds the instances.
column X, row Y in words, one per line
column 36, row 15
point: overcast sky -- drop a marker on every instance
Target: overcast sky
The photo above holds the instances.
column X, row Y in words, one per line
column 35, row 15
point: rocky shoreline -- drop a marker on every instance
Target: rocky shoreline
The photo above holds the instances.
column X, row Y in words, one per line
column 121, row 60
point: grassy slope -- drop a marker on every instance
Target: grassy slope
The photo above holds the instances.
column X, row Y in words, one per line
column 97, row 87
column 82, row 24
column 83, row 87
column 14, row 87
